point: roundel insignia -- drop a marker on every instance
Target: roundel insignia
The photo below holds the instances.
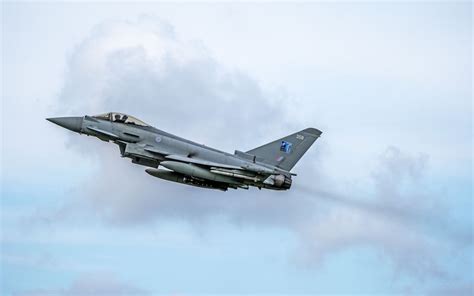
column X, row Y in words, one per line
column 158, row 139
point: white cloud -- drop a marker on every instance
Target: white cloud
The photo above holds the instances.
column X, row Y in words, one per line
column 402, row 220
column 145, row 68
column 136, row 68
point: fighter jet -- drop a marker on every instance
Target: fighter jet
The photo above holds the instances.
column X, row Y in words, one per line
column 179, row 160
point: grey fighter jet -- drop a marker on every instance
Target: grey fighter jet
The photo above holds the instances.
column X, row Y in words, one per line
column 187, row 162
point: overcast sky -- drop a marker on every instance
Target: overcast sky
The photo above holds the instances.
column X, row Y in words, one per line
column 382, row 202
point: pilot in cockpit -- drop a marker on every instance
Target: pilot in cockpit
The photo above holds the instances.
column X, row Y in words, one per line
column 121, row 120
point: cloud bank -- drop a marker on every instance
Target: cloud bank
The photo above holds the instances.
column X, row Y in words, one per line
column 143, row 68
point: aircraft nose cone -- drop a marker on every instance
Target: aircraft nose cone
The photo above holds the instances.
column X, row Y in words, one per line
column 71, row 123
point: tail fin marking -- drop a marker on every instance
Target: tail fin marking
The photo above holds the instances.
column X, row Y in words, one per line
column 285, row 152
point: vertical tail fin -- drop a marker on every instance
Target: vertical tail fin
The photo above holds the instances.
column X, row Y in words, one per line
column 285, row 152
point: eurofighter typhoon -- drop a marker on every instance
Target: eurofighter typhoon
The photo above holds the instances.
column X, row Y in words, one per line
column 179, row 160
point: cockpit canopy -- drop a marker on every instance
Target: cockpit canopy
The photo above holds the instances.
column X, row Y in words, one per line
column 120, row 117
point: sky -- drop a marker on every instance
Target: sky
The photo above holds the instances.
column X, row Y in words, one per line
column 382, row 203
